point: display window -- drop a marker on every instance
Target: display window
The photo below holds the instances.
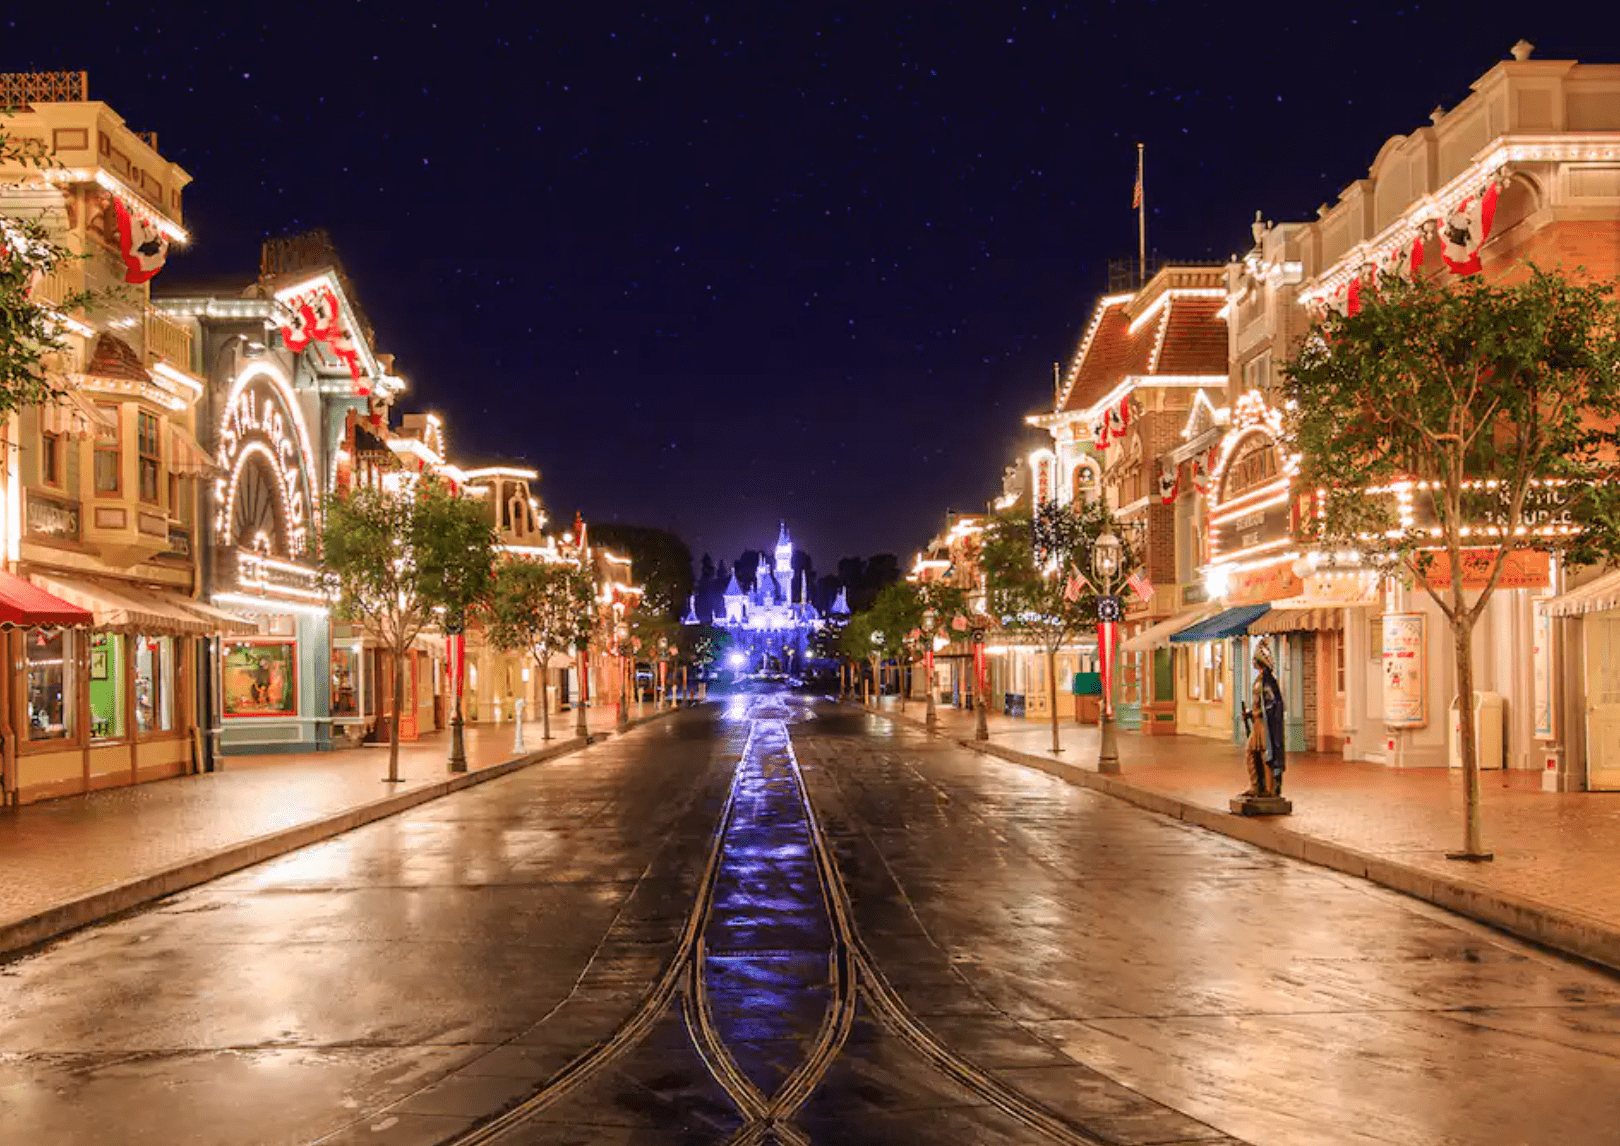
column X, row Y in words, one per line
column 154, row 684
column 260, row 678
column 48, row 657
column 106, row 686
column 345, row 682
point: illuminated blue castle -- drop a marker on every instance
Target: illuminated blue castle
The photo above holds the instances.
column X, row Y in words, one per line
column 771, row 624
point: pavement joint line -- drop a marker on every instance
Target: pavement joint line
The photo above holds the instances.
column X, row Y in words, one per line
column 1547, row 925
column 19, row 936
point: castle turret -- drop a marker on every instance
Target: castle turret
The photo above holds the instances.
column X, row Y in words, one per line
column 735, row 600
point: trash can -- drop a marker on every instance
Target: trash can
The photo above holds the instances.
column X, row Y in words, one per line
column 1489, row 713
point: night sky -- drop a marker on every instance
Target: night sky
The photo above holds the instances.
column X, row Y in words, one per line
column 711, row 266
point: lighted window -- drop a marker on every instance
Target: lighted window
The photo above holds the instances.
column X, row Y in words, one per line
column 106, row 686
column 48, row 655
column 50, row 458
column 109, row 460
column 345, row 691
column 1338, row 657
column 154, row 684
column 151, row 456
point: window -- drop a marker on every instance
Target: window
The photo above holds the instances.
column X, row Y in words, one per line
column 1195, row 675
column 106, row 686
column 344, row 695
column 260, row 678
column 50, row 458
column 1338, row 665
column 150, row 453
column 154, row 684
column 109, row 460
column 48, row 654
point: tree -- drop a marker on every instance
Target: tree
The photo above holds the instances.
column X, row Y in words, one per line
column 30, row 326
column 938, row 605
column 394, row 560
column 661, row 560
column 1482, row 411
column 544, row 608
column 1037, row 576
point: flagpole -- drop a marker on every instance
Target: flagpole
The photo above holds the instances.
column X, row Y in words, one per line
column 1141, row 222
column 1057, row 384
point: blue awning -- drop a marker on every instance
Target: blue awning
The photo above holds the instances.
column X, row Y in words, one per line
column 1234, row 622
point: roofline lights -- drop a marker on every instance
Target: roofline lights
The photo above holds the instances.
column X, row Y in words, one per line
column 109, row 182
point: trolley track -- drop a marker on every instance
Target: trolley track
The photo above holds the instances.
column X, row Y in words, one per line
column 853, row 977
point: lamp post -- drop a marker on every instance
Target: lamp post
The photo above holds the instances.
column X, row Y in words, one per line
column 582, row 663
column 622, row 721
column 1105, row 563
column 929, row 619
column 663, row 661
column 455, row 638
column 981, row 694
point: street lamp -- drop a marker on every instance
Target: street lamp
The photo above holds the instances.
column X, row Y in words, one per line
column 1105, row 561
column 455, row 640
column 663, row 661
column 929, row 619
column 981, row 698
column 626, row 677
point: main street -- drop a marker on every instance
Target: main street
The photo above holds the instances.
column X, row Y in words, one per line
column 772, row 919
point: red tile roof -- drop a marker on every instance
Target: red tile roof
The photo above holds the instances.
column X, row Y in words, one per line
column 113, row 358
column 1194, row 343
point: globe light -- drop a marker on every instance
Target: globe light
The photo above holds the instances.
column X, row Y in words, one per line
column 1105, row 554
column 736, row 660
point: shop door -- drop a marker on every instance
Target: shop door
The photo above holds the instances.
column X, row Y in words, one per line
column 1129, row 697
column 1291, row 659
column 408, row 729
column 1603, row 701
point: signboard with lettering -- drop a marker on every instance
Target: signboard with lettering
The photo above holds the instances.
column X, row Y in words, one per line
column 1522, row 569
column 1269, row 583
column 1405, row 653
column 1239, row 532
column 52, row 517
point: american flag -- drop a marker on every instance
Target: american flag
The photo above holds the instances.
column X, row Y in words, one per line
column 1076, row 587
column 1140, row 585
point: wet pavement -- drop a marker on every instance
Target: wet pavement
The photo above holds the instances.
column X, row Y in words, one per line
column 777, row 921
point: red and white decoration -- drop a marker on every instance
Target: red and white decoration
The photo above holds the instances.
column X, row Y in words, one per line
column 1347, row 299
column 1465, row 230
column 1169, row 483
column 143, row 247
column 1111, row 425
column 1201, row 468
column 1140, row 585
column 1403, row 261
column 316, row 317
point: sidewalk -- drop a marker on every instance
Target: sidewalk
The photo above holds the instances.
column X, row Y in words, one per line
column 68, row 862
column 1556, row 875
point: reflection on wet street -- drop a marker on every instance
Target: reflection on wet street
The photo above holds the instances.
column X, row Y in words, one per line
column 780, row 920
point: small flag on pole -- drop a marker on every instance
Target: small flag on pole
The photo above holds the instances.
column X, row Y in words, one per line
column 1076, row 587
column 1136, row 191
column 1140, row 585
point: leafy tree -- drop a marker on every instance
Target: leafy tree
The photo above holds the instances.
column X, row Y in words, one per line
column 1470, row 398
column 544, row 608
column 394, row 560
column 661, row 560
column 30, row 326
column 1037, row 575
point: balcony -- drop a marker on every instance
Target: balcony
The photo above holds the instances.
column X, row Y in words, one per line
column 168, row 339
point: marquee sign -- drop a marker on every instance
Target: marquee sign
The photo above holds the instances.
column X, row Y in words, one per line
column 263, row 496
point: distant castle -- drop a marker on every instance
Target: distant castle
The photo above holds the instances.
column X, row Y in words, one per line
column 770, row 625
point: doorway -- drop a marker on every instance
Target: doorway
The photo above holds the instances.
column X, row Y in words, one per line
column 1603, row 701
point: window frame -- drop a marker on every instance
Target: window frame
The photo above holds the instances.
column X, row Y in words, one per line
column 144, row 459
column 52, row 465
column 110, row 443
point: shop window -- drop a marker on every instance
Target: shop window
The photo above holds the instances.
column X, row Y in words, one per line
column 50, row 459
column 154, row 684
column 106, row 686
column 345, row 696
column 1193, row 672
column 260, row 678
column 48, row 654
column 109, row 459
column 149, row 453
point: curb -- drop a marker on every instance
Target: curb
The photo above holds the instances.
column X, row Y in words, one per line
column 1542, row 923
column 72, row 914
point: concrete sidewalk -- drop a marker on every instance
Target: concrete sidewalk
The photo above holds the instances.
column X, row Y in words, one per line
column 65, row 863
column 1555, row 879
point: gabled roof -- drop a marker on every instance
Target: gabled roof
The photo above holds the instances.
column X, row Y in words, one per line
column 1170, row 327
column 733, row 589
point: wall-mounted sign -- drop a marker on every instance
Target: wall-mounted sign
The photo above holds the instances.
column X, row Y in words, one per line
column 52, row 517
column 1521, row 569
column 1272, row 582
column 263, row 497
column 1405, row 675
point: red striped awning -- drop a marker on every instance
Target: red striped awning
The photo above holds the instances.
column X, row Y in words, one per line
column 26, row 606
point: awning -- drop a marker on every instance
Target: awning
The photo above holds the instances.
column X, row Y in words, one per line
column 186, row 457
column 223, row 621
column 1593, row 597
column 71, row 414
column 1155, row 635
column 1233, row 622
column 25, row 606
column 1327, row 618
column 128, row 609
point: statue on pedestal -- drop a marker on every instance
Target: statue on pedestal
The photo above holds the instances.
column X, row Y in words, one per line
column 1264, row 752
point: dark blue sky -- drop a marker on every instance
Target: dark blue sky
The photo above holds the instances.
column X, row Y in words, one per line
column 712, row 265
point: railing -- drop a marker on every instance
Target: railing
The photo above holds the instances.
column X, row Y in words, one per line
column 168, row 339
column 62, row 280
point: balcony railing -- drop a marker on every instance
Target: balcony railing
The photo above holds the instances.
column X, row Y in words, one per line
column 168, row 339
